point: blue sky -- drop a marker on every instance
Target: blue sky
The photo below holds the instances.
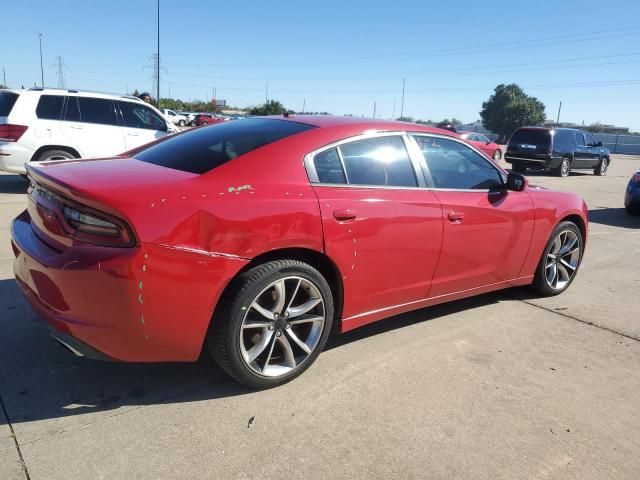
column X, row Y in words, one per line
column 342, row 56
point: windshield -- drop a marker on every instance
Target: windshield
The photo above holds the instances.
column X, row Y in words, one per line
column 204, row 149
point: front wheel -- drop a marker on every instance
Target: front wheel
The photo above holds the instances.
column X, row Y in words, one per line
column 274, row 324
column 601, row 169
column 181, row 123
column 560, row 260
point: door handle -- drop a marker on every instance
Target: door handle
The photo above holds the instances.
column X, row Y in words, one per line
column 345, row 215
column 132, row 134
column 76, row 127
column 455, row 217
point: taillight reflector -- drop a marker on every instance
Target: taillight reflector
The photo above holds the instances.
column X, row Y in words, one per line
column 11, row 133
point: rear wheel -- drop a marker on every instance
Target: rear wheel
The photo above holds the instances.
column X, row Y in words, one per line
column 601, row 169
column 181, row 123
column 563, row 169
column 560, row 260
column 48, row 155
column 274, row 324
column 497, row 155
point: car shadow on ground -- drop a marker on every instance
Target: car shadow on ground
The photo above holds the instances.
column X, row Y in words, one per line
column 614, row 217
column 13, row 184
column 40, row 380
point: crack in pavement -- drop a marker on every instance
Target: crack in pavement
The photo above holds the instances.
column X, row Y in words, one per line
column 15, row 440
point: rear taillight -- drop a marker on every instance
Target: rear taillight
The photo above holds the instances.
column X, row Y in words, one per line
column 11, row 133
column 636, row 177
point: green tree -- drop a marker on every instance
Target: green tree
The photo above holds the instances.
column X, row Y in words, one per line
column 596, row 127
column 272, row 107
column 510, row 108
column 3, row 86
column 405, row 119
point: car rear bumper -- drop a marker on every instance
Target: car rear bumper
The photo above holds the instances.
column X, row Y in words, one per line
column 145, row 304
column 632, row 196
column 13, row 157
column 533, row 162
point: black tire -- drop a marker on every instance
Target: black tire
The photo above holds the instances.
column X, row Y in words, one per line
column 225, row 335
column 497, row 155
column 603, row 166
column 540, row 284
column 47, row 155
column 635, row 211
column 181, row 123
column 564, row 168
column 518, row 167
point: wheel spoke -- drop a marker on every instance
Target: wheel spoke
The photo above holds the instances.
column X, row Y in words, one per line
column 304, row 308
column 288, row 351
column 268, row 359
column 568, row 265
column 256, row 325
column 293, row 296
column 314, row 318
column 557, row 244
column 563, row 275
column 568, row 245
column 297, row 341
column 552, row 274
column 280, row 296
column 255, row 351
column 261, row 310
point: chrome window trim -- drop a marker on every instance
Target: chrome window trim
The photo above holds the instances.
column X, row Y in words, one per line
column 525, row 159
column 425, row 166
column 313, row 174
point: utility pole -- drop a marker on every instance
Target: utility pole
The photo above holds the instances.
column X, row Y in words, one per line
column 559, row 108
column 59, row 64
column 374, row 109
column 158, row 60
column 41, row 65
column 4, row 77
column 402, row 102
column 393, row 116
column 266, row 92
column 304, row 104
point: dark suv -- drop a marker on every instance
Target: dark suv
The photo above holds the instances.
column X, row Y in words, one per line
column 557, row 149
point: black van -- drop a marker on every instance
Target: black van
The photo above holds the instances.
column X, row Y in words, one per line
column 557, row 149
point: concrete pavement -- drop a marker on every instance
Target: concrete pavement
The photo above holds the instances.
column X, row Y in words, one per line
column 499, row 386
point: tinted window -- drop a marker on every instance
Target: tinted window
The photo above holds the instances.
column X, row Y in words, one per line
column 481, row 138
column 378, row 161
column 589, row 139
column 562, row 141
column 328, row 167
column 72, row 112
column 50, row 107
column 538, row 138
column 203, row 149
column 7, row 100
column 97, row 110
column 579, row 138
column 454, row 165
column 140, row 116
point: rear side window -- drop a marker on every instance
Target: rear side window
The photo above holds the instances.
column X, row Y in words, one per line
column 382, row 161
column 50, row 107
column 7, row 100
column 140, row 116
column 204, row 149
column 529, row 138
column 97, row 110
column 329, row 167
column 72, row 112
column 562, row 141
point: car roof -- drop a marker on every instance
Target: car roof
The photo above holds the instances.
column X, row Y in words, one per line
column 359, row 123
column 81, row 93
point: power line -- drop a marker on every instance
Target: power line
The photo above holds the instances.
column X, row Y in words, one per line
column 59, row 64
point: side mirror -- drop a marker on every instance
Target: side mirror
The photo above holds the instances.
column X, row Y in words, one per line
column 516, row 182
column 488, row 141
column 598, row 144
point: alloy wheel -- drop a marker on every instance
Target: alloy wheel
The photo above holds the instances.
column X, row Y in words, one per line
column 562, row 260
column 282, row 326
column 564, row 168
column 604, row 164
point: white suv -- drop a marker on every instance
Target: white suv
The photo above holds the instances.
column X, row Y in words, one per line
column 51, row 124
column 173, row 117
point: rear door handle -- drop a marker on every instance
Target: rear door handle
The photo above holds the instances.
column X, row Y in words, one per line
column 76, row 127
column 345, row 215
column 455, row 217
column 133, row 134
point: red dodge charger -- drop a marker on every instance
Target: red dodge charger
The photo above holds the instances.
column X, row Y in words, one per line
column 255, row 239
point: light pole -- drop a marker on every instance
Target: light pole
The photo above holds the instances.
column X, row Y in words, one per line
column 158, row 60
column 402, row 102
column 41, row 66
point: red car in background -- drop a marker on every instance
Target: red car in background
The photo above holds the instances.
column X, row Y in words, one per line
column 255, row 239
column 491, row 149
column 207, row 119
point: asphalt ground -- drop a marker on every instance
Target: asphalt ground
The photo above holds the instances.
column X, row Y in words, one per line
column 503, row 385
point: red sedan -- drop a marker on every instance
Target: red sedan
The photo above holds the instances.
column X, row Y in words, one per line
column 255, row 239
column 206, row 119
column 491, row 149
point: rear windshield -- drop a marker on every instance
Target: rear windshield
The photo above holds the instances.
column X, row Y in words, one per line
column 530, row 137
column 7, row 99
column 206, row 148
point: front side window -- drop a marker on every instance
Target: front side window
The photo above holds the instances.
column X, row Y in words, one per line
column 589, row 139
column 482, row 138
column 382, row 161
column 97, row 110
column 579, row 139
column 454, row 165
column 50, row 107
column 140, row 116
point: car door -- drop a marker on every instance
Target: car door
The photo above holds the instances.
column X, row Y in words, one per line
column 381, row 227
column 482, row 143
column 582, row 155
column 487, row 229
column 91, row 125
column 592, row 151
column 141, row 124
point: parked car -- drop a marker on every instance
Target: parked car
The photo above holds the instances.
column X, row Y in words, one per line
column 207, row 119
column 173, row 117
column 558, row 149
column 50, row 124
column 491, row 149
column 255, row 239
column 632, row 195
